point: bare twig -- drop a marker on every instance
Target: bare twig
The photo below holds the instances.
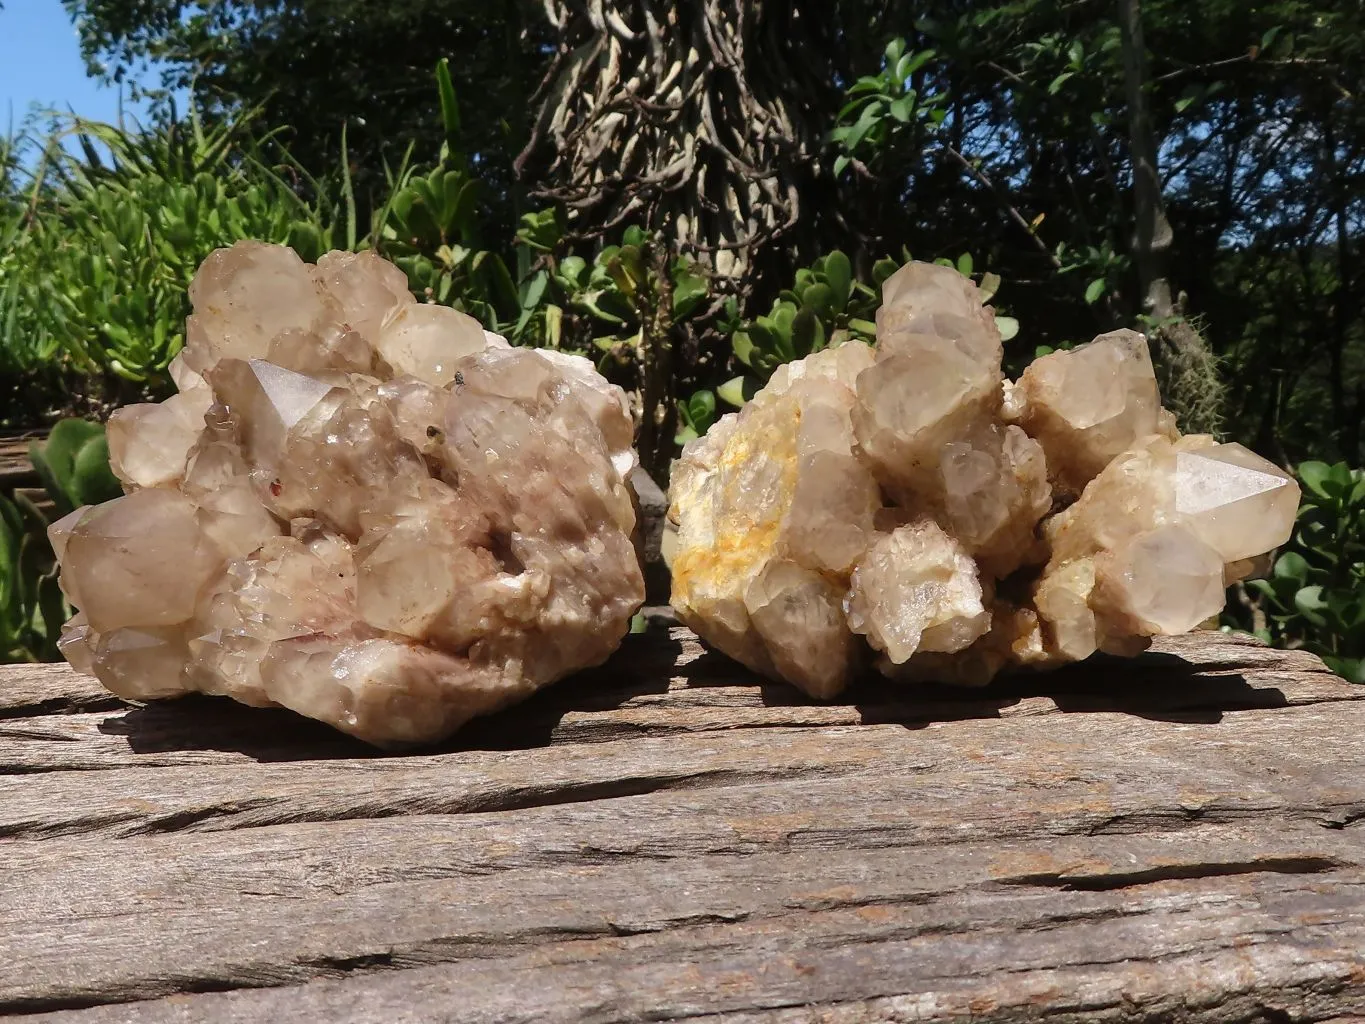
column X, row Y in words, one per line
column 1009, row 208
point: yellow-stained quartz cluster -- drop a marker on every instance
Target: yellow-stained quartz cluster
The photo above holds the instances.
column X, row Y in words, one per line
column 361, row 508
column 909, row 504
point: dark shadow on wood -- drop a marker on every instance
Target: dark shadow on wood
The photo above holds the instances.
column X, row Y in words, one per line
column 1155, row 686
column 218, row 723
column 276, row 734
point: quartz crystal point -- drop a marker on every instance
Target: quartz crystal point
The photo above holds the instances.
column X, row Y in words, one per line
column 364, row 509
column 907, row 506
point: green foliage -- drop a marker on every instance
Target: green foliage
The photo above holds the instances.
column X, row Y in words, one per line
column 74, row 467
column 887, row 108
column 696, row 416
column 1314, row 597
column 73, row 464
column 325, row 64
column 95, row 279
column 824, row 307
column 31, row 606
column 429, row 228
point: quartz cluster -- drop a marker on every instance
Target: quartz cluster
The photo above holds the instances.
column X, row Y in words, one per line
column 359, row 507
column 909, row 505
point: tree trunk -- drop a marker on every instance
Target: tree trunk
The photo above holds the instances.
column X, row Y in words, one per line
column 697, row 120
column 1152, row 231
column 1186, row 369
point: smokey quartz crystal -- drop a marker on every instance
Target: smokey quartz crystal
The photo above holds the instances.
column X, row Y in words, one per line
column 358, row 507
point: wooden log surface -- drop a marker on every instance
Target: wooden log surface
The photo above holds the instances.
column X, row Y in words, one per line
column 15, row 468
column 1176, row 838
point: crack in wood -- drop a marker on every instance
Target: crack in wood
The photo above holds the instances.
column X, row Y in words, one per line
column 1108, row 881
column 1165, row 839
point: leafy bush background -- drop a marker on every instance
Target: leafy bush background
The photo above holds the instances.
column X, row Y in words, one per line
column 996, row 137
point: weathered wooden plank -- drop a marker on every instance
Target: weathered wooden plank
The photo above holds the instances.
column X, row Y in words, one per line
column 658, row 666
column 667, row 838
column 1297, row 747
column 269, row 909
column 1228, row 948
column 15, row 468
column 661, row 685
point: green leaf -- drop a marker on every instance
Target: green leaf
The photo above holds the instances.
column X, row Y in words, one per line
column 53, row 609
column 1350, row 669
column 1310, row 604
column 1008, row 327
column 902, row 108
column 839, row 277
column 450, row 109
column 965, row 264
column 1094, row 290
column 571, row 270
column 1315, row 476
column 1291, row 565
column 1057, row 83
column 1339, row 479
column 918, row 61
column 883, row 269
column 92, row 481
column 554, row 325
column 743, row 347
column 1266, row 590
column 55, row 460
column 819, row 298
column 533, row 291
column 840, row 165
column 732, row 392
column 803, row 333
column 701, row 409
column 990, row 284
column 688, row 290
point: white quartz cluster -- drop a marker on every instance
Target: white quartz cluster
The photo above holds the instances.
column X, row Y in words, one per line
column 909, row 505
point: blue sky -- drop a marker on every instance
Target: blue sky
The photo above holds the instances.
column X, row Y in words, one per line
column 40, row 63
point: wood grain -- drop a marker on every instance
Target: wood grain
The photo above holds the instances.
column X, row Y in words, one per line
column 1178, row 838
column 15, row 468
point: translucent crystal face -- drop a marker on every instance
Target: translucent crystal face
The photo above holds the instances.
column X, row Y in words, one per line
column 139, row 560
column 245, row 296
column 1167, row 579
column 917, row 590
column 1089, row 404
column 367, row 510
column 427, row 342
column 908, row 505
column 1234, row 501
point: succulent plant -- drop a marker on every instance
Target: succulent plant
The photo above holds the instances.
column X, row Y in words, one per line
column 73, row 465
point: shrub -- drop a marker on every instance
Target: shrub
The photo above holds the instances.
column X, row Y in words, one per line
column 74, row 467
column 95, row 264
column 1314, row 597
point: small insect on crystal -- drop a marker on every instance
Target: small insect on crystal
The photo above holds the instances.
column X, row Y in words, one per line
column 459, row 380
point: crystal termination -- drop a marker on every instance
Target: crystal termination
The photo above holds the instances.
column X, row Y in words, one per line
column 907, row 504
